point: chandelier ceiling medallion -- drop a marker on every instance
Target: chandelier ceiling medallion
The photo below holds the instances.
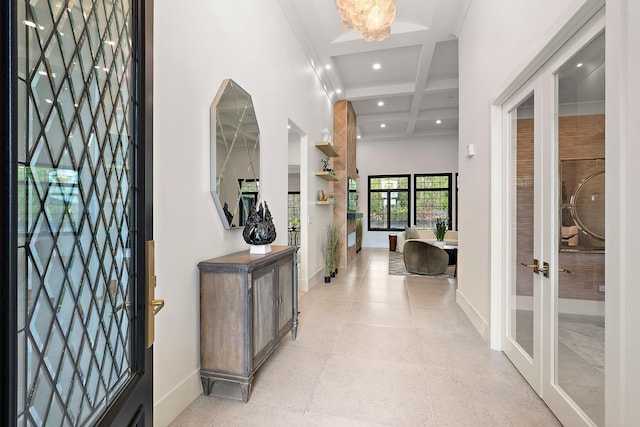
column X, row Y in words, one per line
column 372, row 18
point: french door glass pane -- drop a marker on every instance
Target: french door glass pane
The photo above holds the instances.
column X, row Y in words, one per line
column 522, row 294
column 74, row 208
column 580, row 322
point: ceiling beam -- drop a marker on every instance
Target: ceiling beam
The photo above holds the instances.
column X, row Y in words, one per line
column 373, row 92
column 426, row 55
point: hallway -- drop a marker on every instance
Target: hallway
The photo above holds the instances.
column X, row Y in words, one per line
column 379, row 350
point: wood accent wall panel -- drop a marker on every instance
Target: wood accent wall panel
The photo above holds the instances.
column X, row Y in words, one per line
column 581, row 137
column 344, row 142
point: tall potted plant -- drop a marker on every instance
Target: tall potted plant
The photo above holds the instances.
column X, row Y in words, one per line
column 336, row 243
column 358, row 235
column 442, row 225
column 329, row 251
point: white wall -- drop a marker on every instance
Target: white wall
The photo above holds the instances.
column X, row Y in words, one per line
column 379, row 158
column 498, row 39
column 197, row 45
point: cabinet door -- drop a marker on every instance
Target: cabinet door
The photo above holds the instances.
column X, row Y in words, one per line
column 264, row 320
column 285, row 296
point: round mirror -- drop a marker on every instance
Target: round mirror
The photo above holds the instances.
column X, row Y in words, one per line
column 588, row 206
column 235, row 154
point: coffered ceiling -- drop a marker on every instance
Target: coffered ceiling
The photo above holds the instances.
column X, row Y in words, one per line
column 417, row 83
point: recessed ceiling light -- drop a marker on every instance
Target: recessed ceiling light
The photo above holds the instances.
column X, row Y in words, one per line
column 338, row 91
column 382, row 125
column 377, row 66
column 288, row 126
column 579, row 64
column 359, row 136
column 438, row 121
column 380, row 103
column 327, row 67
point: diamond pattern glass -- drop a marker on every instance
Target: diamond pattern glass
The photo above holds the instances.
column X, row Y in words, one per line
column 75, row 205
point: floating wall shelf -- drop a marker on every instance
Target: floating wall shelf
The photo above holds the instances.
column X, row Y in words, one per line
column 327, row 149
column 326, row 175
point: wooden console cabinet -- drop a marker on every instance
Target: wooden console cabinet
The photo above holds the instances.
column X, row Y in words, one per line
column 248, row 303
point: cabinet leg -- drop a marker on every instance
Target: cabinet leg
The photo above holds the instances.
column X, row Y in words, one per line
column 245, row 389
column 207, row 384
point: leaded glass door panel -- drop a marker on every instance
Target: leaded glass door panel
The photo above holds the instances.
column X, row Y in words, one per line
column 80, row 212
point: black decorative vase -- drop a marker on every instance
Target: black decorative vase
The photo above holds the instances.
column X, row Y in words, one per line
column 259, row 230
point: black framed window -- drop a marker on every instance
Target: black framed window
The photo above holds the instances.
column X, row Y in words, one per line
column 457, row 204
column 432, row 199
column 389, row 202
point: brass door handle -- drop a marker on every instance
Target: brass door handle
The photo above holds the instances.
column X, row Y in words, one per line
column 535, row 266
column 564, row 270
column 156, row 305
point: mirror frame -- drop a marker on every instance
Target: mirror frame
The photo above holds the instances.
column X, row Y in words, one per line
column 252, row 153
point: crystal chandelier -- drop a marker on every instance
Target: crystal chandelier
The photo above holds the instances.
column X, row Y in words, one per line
column 372, row 18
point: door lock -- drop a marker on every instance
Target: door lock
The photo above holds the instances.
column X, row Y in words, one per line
column 545, row 269
column 154, row 305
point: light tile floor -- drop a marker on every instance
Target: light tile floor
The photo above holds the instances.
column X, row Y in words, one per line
column 379, row 350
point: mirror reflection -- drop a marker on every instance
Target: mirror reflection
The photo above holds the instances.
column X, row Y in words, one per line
column 235, row 154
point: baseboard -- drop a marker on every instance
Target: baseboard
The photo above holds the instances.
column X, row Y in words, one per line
column 169, row 406
column 316, row 279
column 476, row 319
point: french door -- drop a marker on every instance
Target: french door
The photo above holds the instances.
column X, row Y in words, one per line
column 554, row 318
column 76, row 181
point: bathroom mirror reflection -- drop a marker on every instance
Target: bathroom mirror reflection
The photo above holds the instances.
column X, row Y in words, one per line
column 235, row 154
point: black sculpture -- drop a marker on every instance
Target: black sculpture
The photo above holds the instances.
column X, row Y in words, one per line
column 228, row 214
column 259, row 228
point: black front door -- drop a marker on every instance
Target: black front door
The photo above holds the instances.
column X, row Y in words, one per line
column 75, row 212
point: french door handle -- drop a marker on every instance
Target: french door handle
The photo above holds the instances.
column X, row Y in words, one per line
column 535, row 266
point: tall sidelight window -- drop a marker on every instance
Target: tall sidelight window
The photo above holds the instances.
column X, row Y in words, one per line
column 432, row 199
column 293, row 218
column 293, row 209
column 389, row 202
